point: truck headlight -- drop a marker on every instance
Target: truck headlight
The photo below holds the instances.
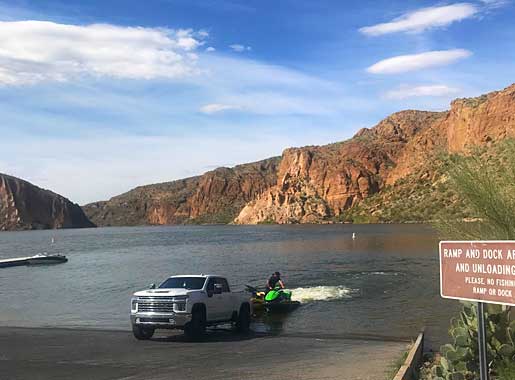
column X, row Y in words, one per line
column 134, row 305
column 180, row 306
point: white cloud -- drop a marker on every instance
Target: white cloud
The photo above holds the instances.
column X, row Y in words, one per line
column 210, row 49
column 216, row 107
column 35, row 51
column 412, row 62
column 406, row 91
column 422, row 19
column 240, row 48
column 91, row 129
column 271, row 90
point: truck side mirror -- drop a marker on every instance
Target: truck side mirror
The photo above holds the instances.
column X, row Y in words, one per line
column 152, row 286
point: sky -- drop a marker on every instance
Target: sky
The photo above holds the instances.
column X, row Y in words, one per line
column 97, row 97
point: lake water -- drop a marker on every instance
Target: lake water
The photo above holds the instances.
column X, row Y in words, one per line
column 383, row 282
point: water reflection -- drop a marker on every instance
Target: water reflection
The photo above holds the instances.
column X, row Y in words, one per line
column 271, row 323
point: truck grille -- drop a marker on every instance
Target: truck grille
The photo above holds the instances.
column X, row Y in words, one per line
column 160, row 304
column 157, row 299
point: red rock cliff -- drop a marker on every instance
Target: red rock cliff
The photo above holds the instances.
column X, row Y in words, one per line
column 25, row 206
column 315, row 183
column 478, row 121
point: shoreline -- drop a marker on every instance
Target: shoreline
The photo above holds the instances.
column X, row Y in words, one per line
column 328, row 223
column 214, row 330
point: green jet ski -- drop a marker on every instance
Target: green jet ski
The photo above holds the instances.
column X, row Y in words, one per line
column 276, row 300
column 279, row 300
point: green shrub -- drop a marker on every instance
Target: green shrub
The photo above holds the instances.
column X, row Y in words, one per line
column 506, row 371
column 460, row 359
column 487, row 188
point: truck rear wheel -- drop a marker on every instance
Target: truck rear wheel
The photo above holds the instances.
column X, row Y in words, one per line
column 142, row 333
column 197, row 326
column 243, row 323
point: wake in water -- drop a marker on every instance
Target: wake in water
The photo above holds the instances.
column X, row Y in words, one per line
column 321, row 293
column 387, row 273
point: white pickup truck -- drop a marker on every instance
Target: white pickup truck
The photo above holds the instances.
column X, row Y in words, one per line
column 189, row 303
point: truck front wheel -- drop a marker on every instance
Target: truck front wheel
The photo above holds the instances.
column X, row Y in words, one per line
column 197, row 326
column 142, row 333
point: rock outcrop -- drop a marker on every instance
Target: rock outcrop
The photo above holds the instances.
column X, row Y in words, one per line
column 479, row 121
column 317, row 184
column 24, row 206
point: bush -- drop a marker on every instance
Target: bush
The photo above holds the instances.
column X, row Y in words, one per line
column 506, row 371
column 460, row 359
column 487, row 187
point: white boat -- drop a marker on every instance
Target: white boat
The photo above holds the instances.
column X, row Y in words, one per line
column 43, row 258
column 39, row 259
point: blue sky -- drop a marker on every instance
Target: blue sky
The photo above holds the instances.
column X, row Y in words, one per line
column 97, row 97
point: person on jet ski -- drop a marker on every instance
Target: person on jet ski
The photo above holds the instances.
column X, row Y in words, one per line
column 273, row 281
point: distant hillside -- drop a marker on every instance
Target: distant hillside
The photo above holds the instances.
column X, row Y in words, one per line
column 24, row 206
column 388, row 164
column 215, row 197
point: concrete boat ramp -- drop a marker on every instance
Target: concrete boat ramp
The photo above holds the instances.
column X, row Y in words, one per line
column 80, row 354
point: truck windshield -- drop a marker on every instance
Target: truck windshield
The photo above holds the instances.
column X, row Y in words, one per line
column 183, row 283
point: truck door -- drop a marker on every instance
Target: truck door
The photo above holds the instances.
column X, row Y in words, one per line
column 227, row 298
column 214, row 302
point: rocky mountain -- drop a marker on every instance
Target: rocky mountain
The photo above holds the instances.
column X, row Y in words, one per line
column 318, row 184
column 24, row 206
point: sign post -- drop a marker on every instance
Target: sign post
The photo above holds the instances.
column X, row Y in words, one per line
column 480, row 271
column 481, row 339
